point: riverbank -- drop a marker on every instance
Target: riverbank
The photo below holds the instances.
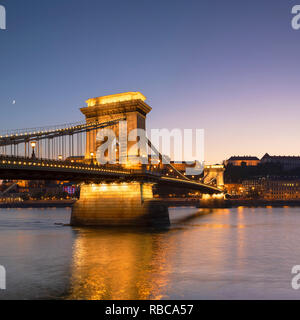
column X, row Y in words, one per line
column 262, row 203
column 248, row 203
column 39, row 204
column 170, row 202
column 229, row 203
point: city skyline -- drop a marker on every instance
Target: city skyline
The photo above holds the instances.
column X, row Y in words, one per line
column 228, row 68
column 149, row 150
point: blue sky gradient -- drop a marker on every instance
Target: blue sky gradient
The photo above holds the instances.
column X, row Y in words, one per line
column 228, row 66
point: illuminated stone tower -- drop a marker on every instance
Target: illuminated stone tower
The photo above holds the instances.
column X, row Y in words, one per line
column 214, row 174
column 119, row 203
column 129, row 105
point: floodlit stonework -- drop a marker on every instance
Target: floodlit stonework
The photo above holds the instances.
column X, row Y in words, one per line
column 129, row 105
column 119, row 204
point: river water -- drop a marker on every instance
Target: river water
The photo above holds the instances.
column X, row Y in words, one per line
column 241, row 253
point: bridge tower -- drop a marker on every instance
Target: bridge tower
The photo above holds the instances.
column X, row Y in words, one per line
column 117, row 203
column 129, row 105
column 214, row 174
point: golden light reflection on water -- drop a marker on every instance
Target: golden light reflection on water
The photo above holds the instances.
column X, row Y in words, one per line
column 205, row 254
column 119, row 265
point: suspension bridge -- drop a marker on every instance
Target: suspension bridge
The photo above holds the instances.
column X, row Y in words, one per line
column 68, row 152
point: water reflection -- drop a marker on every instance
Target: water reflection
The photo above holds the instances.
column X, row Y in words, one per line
column 135, row 264
column 118, row 264
column 238, row 253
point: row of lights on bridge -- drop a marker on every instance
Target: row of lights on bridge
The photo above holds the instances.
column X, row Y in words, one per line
column 41, row 163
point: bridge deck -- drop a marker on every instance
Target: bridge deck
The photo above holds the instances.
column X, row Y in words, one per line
column 17, row 168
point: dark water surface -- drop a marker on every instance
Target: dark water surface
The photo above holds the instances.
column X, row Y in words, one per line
column 238, row 253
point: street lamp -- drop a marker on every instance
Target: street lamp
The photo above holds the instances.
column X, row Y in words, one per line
column 60, row 157
column 92, row 157
column 33, row 145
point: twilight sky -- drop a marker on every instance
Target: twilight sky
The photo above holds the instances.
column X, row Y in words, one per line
column 230, row 67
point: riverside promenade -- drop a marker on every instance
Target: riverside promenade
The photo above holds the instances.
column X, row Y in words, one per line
column 172, row 202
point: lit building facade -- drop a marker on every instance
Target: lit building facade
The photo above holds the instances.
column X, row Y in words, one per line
column 242, row 160
column 271, row 189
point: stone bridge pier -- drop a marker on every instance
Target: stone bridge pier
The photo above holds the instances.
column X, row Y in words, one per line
column 119, row 204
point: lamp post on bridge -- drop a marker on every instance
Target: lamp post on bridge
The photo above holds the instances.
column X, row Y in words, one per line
column 92, row 158
column 33, row 145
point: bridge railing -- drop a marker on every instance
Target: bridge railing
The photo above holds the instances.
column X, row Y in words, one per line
column 68, row 163
column 9, row 159
column 23, row 131
column 20, row 160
